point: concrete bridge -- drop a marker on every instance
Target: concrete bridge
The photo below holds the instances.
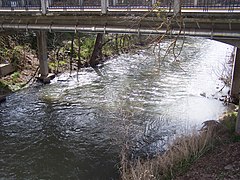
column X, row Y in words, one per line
column 213, row 19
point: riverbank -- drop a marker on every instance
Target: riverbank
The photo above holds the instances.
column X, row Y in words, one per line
column 222, row 161
column 211, row 153
column 20, row 78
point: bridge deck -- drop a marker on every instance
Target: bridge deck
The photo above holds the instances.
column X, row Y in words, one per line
column 206, row 20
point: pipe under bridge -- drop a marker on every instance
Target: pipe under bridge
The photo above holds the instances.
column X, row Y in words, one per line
column 214, row 19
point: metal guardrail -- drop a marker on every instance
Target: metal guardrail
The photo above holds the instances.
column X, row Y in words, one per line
column 20, row 4
column 211, row 4
column 148, row 4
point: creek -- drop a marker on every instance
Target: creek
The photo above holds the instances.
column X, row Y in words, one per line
column 75, row 127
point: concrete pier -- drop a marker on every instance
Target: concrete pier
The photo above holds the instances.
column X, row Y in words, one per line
column 235, row 86
column 42, row 55
column 237, row 129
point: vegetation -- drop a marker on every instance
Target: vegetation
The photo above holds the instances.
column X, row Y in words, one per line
column 74, row 51
column 67, row 51
column 182, row 152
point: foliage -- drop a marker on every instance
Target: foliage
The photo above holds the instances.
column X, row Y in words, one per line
column 83, row 44
column 13, row 48
column 229, row 121
column 15, row 76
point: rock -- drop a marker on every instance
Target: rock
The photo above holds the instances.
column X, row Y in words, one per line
column 6, row 69
column 46, row 80
column 228, row 167
column 2, row 98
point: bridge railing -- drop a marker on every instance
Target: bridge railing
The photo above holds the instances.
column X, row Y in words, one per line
column 20, row 4
column 211, row 4
column 123, row 4
column 74, row 4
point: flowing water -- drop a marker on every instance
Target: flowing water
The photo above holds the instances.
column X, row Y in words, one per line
column 74, row 128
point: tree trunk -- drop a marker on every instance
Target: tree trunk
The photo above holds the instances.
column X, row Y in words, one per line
column 71, row 55
column 79, row 52
column 96, row 51
column 116, row 44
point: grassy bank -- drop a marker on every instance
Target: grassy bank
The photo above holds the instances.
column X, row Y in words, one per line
column 184, row 151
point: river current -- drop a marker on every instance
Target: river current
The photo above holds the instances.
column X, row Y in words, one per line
column 75, row 127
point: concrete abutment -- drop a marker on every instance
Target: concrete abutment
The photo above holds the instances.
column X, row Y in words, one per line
column 235, row 87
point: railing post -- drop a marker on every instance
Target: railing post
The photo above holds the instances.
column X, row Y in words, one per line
column 44, row 4
column 115, row 2
column 23, row 3
column 154, row 2
column 80, row 2
column 195, row 3
column 104, row 6
column 48, row 3
column 177, row 7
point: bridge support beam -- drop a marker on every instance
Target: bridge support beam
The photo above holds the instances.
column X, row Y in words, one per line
column 235, row 86
column 42, row 56
column 177, row 7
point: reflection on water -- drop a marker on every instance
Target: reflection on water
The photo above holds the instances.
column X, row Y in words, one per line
column 74, row 129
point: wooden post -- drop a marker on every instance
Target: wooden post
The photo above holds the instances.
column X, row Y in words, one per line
column 177, row 7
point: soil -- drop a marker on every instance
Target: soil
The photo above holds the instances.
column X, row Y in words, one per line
column 223, row 162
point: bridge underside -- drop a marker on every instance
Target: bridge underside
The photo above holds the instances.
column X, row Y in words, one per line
column 211, row 25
